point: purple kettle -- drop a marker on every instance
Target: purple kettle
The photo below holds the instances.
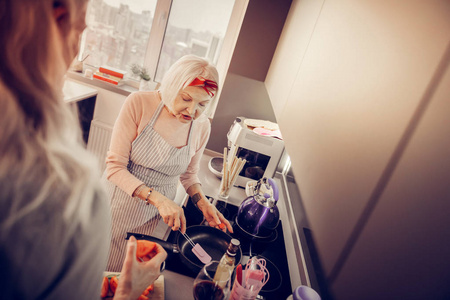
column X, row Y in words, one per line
column 258, row 214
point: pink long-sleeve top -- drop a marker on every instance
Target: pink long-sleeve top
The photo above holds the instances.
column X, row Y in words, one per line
column 135, row 114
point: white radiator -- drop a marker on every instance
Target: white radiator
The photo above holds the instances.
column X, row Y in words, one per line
column 98, row 143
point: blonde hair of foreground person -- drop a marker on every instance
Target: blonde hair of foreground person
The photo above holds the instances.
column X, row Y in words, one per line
column 41, row 149
column 54, row 226
column 182, row 73
column 54, row 218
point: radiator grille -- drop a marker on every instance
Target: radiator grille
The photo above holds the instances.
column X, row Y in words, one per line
column 99, row 139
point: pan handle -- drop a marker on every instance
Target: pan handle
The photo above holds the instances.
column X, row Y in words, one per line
column 166, row 245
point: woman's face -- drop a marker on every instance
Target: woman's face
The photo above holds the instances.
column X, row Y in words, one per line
column 71, row 31
column 190, row 103
column 79, row 25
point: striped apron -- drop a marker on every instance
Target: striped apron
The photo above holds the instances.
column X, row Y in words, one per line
column 159, row 165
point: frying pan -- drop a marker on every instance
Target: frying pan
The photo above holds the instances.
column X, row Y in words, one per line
column 213, row 241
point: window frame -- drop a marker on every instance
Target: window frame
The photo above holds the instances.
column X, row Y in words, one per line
column 156, row 39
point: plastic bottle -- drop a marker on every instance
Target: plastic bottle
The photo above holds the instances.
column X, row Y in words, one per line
column 227, row 262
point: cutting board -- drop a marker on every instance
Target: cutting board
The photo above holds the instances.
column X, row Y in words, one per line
column 156, row 294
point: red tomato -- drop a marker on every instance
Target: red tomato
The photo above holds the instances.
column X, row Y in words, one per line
column 105, row 287
column 113, row 283
column 144, row 248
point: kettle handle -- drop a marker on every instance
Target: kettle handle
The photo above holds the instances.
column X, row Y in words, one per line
column 274, row 188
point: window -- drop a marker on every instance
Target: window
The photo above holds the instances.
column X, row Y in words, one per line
column 154, row 33
column 194, row 27
column 117, row 32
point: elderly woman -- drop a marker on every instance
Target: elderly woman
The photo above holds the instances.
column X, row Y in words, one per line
column 54, row 214
column 158, row 139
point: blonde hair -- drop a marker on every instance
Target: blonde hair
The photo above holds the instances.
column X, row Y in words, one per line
column 41, row 153
column 182, row 73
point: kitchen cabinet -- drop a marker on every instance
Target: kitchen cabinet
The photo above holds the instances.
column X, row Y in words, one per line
column 258, row 38
column 243, row 92
column 291, row 48
column 84, row 97
column 362, row 87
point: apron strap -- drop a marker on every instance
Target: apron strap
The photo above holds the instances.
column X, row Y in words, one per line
column 156, row 113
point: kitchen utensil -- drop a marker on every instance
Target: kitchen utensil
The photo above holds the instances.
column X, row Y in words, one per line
column 207, row 287
column 262, row 153
column 198, row 250
column 258, row 214
column 213, row 241
column 276, row 278
column 252, row 123
column 256, row 274
column 254, row 278
column 231, row 168
column 239, row 273
column 267, row 132
column 215, row 165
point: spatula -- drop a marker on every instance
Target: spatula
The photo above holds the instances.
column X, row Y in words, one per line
column 198, row 250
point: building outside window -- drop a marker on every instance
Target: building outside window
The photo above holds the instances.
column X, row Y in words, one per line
column 153, row 33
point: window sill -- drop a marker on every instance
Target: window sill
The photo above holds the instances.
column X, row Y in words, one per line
column 123, row 89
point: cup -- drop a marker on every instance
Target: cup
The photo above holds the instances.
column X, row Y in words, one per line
column 77, row 65
column 88, row 73
column 251, row 280
column 244, row 293
column 208, row 286
column 224, row 189
column 231, row 168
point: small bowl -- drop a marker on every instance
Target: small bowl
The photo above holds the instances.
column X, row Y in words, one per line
column 215, row 165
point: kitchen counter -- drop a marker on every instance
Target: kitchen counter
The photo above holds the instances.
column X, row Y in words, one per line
column 74, row 92
column 179, row 286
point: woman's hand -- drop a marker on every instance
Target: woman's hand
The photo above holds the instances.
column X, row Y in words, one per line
column 172, row 214
column 213, row 216
column 136, row 276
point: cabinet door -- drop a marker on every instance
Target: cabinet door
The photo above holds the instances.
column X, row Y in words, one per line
column 404, row 250
column 359, row 82
column 292, row 45
column 258, row 38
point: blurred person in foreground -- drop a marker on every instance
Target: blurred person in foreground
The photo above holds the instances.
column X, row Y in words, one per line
column 54, row 215
column 158, row 141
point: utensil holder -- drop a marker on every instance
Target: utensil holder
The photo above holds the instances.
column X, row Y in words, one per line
column 224, row 190
column 241, row 293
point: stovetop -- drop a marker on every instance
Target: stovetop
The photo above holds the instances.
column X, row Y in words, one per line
column 271, row 248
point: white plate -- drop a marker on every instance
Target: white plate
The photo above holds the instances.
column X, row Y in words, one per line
column 215, row 165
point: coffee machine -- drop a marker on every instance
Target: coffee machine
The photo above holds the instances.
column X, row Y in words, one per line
column 262, row 153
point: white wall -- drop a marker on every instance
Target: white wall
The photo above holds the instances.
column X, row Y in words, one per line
column 345, row 82
column 108, row 106
column 241, row 97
